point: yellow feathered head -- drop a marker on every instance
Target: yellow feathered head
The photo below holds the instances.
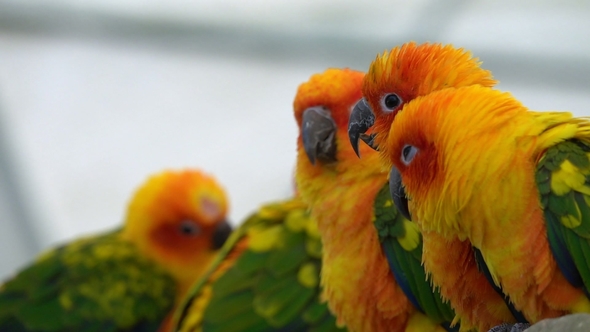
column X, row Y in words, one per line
column 398, row 76
column 450, row 149
column 178, row 219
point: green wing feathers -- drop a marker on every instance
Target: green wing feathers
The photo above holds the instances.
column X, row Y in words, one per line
column 401, row 242
column 563, row 180
column 93, row 284
column 273, row 284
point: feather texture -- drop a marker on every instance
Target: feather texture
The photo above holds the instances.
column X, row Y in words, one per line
column 265, row 279
column 494, row 197
column 413, row 70
column 110, row 282
column 358, row 281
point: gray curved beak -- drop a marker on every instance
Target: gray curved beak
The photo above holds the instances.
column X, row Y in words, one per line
column 319, row 135
column 221, row 233
column 398, row 194
column 361, row 119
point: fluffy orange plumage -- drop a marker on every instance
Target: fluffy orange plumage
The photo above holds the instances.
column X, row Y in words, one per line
column 358, row 285
column 476, row 154
column 413, row 70
column 172, row 219
column 407, row 72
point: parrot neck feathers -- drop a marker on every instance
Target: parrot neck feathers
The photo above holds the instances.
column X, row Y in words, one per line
column 341, row 198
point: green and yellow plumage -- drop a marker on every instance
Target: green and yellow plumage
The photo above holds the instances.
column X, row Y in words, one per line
column 265, row 279
column 563, row 179
column 511, row 182
column 93, row 284
column 401, row 241
column 129, row 279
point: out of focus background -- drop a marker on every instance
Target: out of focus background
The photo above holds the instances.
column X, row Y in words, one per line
column 97, row 94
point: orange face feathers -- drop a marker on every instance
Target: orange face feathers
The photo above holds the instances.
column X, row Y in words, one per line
column 448, row 117
column 410, row 71
column 179, row 219
column 420, row 69
column 322, row 109
column 333, row 89
column 445, row 135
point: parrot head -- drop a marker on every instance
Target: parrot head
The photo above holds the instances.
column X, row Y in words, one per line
column 402, row 74
column 322, row 107
column 446, row 146
column 178, row 219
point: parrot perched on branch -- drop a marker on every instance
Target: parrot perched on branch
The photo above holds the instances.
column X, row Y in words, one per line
column 265, row 279
column 394, row 79
column 131, row 278
column 372, row 274
column 475, row 164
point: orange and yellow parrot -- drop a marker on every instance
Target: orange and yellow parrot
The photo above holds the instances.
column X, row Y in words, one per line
column 394, row 79
column 402, row 74
column 131, row 278
column 371, row 272
column 267, row 277
column 474, row 164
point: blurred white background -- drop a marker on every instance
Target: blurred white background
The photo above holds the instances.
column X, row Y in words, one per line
column 95, row 95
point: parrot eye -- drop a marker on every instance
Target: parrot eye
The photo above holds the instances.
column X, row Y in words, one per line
column 408, row 154
column 391, row 102
column 189, row 228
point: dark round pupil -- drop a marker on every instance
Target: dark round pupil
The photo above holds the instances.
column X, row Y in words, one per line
column 392, row 101
column 406, row 151
column 188, row 228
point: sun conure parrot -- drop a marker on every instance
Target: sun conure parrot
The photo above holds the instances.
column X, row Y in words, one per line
column 475, row 164
column 371, row 271
column 404, row 73
column 128, row 279
column 267, row 277
column 394, row 79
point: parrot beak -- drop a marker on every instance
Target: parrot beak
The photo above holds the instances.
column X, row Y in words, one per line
column 221, row 233
column 398, row 194
column 361, row 119
column 319, row 135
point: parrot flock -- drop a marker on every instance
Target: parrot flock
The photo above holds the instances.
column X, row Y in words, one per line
column 461, row 210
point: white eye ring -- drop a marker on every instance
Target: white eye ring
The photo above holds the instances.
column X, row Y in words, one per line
column 408, row 154
column 390, row 102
